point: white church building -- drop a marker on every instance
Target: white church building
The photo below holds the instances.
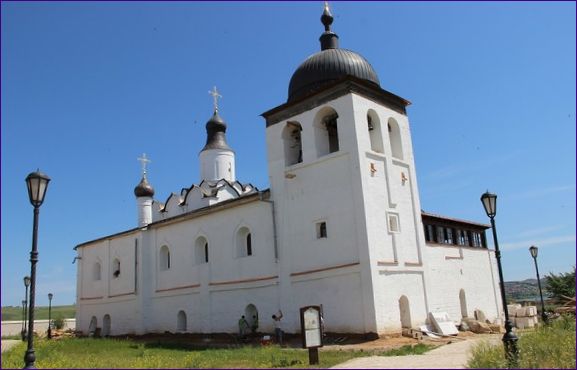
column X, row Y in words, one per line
column 341, row 226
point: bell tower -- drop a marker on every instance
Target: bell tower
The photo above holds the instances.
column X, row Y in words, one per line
column 343, row 181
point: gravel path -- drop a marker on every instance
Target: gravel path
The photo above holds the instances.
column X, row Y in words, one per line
column 450, row 356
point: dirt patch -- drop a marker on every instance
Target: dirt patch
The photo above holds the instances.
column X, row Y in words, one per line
column 332, row 341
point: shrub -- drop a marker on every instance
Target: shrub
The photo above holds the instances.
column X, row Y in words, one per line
column 549, row 346
column 58, row 323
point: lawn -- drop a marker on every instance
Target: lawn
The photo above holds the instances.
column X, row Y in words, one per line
column 40, row 313
column 130, row 353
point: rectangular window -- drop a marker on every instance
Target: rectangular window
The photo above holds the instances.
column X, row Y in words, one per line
column 466, row 238
column 460, row 237
column 321, row 230
column 393, row 223
column 448, row 235
column 249, row 245
column 429, row 233
column 440, row 234
column 476, row 239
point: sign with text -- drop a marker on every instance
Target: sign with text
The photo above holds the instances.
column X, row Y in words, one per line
column 311, row 328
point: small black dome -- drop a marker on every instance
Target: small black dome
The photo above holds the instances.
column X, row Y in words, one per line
column 143, row 189
column 327, row 66
column 215, row 133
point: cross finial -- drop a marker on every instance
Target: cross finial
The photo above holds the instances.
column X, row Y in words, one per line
column 143, row 160
column 215, row 96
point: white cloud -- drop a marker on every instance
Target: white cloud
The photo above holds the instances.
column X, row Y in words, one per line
column 539, row 231
column 542, row 192
column 539, row 242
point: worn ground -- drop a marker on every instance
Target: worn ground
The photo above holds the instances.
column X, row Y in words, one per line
column 452, row 353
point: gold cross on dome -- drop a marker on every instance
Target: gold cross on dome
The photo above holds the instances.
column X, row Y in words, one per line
column 143, row 160
column 215, row 96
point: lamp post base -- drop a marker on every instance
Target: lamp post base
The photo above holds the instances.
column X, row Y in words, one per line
column 29, row 359
column 510, row 343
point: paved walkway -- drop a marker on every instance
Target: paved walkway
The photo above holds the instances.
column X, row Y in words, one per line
column 450, row 356
column 9, row 343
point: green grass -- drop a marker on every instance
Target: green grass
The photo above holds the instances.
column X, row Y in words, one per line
column 551, row 346
column 40, row 313
column 14, row 336
column 127, row 353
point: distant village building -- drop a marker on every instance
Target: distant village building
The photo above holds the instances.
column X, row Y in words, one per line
column 341, row 226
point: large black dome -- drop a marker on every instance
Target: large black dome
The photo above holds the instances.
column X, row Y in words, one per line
column 327, row 66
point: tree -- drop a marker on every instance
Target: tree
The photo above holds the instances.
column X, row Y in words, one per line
column 561, row 286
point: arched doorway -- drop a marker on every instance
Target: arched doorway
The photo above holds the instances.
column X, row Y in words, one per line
column 181, row 322
column 106, row 325
column 92, row 326
column 405, row 312
column 463, row 301
column 251, row 315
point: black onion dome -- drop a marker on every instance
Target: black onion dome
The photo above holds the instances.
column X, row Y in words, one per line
column 329, row 64
column 143, row 189
column 215, row 133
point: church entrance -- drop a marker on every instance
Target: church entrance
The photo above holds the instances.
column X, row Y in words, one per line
column 92, row 325
column 106, row 325
column 463, row 301
column 251, row 315
column 405, row 312
column 181, row 322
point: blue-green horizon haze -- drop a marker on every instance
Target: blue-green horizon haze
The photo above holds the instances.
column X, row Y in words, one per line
column 87, row 87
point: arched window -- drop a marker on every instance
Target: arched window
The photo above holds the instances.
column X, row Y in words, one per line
column 243, row 242
column 106, row 325
column 181, row 321
column 326, row 132
column 395, row 139
column 164, row 258
column 293, row 150
column 97, row 271
column 375, row 134
column 116, row 268
column 201, row 250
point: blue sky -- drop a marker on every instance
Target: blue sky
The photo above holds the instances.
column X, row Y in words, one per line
column 88, row 87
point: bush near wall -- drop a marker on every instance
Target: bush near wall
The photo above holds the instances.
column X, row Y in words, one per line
column 549, row 346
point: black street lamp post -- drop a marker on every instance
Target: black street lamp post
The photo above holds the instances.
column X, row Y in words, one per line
column 23, row 330
column 25, row 303
column 489, row 201
column 37, row 184
column 50, row 295
column 534, row 251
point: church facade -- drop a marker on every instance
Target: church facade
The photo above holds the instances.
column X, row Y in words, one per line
column 341, row 226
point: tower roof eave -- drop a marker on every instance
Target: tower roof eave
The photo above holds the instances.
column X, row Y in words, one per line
column 340, row 87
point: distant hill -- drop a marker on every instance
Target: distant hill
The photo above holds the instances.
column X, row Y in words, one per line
column 10, row 313
column 524, row 290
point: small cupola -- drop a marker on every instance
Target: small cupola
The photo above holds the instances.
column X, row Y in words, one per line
column 143, row 189
column 216, row 158
column 216, row 133
column 144, row 193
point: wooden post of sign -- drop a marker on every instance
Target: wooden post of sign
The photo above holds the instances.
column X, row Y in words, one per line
column 313, row 356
